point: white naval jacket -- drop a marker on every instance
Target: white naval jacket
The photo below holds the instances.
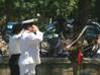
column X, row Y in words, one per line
column 30, row 48
column 14, row 45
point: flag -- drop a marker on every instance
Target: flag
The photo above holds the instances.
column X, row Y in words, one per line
column 80, row 56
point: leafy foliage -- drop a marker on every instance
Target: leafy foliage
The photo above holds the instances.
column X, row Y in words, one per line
column 48, row 9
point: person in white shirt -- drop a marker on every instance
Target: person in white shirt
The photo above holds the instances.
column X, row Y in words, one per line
column 96, row 47
column 14, row 50
column 29, row 43
column 98, row 44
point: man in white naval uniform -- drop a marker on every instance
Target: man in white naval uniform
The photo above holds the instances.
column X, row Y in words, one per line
column 29, row 43
column 14, row 50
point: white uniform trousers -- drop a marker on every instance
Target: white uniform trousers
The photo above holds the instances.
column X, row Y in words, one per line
column 28, row 69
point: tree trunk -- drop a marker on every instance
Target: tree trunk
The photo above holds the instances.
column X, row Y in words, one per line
column 97, row 11
column 9, row 10
column 83, row 13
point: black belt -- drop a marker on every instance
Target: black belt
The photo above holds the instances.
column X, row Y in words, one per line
column 15, row 54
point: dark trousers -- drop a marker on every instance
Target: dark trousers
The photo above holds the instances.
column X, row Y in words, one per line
column 13, row 64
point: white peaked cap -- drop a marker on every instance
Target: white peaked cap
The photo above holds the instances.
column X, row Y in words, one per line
column 29, row 21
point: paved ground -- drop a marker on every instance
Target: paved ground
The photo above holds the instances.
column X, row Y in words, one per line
column 4, row 70
column 57, row 67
